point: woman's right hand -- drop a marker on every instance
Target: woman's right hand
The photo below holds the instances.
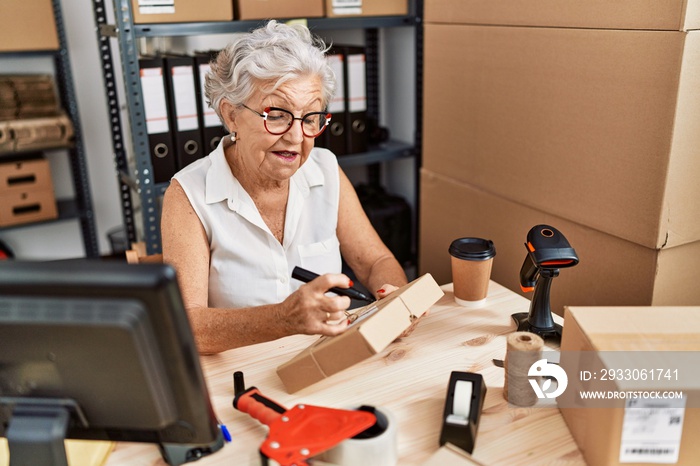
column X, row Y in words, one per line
column 310, row 311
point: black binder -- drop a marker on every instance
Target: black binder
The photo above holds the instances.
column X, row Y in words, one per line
column 334, row 138
column 160, row 142
column 211, row 127
column 183, row 108
column 356, row 99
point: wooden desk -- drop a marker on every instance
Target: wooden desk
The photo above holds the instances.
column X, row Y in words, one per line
column 409, row 378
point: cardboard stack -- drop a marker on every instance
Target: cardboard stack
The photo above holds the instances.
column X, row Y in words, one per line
column 583, row 116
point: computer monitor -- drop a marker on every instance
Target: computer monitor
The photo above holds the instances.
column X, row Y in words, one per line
column 99, row 350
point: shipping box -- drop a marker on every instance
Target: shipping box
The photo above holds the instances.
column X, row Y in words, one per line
column 27, row 26
column 267, row 9
column 662, row 339
column 181, row 11
column 17, row 208
column 25, row 175
column 340, row 8
column 612, row 271
column 672, row 15
column 599, row 127
column 375, row 327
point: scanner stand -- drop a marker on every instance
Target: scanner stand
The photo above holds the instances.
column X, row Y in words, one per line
column 539, row 320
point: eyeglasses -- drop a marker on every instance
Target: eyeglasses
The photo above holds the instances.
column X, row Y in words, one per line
column 278, row 121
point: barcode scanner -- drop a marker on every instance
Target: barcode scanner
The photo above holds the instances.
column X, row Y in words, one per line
column 547, row 252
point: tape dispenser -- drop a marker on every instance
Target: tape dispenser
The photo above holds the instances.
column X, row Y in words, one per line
column 463, row 403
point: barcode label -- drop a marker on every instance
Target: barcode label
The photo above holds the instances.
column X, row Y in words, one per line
column 651, row 431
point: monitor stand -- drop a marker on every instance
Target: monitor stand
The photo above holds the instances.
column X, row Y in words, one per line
column 176, row 454
column 36, row 433
column 38, row 426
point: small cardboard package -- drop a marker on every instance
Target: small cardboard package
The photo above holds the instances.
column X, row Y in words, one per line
column 264, row 9
column 374, row 328
column 340, row 8
column 181, row 11
column 27, row 26
column 25, row 175
column 635, row 358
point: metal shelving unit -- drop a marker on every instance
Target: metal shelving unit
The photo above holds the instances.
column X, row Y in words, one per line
column 80, row 207
column 136, row 178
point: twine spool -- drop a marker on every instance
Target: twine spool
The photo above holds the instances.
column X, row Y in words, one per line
column 523, row 350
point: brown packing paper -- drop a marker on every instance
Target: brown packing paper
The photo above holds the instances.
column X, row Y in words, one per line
column 385, row 321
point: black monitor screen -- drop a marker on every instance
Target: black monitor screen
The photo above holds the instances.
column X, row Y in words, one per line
column 107, row 348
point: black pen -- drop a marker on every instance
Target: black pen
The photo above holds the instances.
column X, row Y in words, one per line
column 306, row 276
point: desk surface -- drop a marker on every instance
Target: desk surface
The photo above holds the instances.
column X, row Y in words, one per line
column 409, row 379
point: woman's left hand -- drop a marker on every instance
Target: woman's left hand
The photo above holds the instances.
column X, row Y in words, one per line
column 385, row 290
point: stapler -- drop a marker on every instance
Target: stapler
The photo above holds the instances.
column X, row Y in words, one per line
column 465, row 399
column 547, row 252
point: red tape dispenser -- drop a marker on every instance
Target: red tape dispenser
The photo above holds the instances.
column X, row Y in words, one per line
column 301, row 432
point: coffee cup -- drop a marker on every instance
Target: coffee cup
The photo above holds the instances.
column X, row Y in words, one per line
column 472, row 259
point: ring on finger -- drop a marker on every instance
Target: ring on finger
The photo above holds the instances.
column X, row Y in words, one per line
column 328, row 315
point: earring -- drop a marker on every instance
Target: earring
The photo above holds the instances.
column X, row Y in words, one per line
column 233, row 136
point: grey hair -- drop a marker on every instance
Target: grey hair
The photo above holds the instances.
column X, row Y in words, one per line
column 268, row 56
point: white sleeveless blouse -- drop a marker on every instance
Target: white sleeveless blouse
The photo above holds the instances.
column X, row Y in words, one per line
column 248, row 266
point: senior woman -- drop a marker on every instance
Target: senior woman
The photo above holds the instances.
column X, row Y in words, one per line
column 235, row 223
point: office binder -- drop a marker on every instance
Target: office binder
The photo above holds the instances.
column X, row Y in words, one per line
column 333, row 137
column 356, row 100
column 160, row 142
column 183, row 108
column 211, row 127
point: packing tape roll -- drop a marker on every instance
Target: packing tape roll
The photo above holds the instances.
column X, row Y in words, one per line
column 376, row 451
column 462, row 399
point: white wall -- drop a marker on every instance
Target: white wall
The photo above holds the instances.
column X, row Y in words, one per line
column 63, row 239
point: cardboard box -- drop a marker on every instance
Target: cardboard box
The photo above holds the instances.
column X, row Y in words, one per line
column 673, row 15
column 266, row 9
column 181, row 11
column 27, row 207
column 595, row 126
column 343, row 8
column 611, row 271
column 618, row 334
column 27, row 26
column 25, row 175
column 376, row 327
